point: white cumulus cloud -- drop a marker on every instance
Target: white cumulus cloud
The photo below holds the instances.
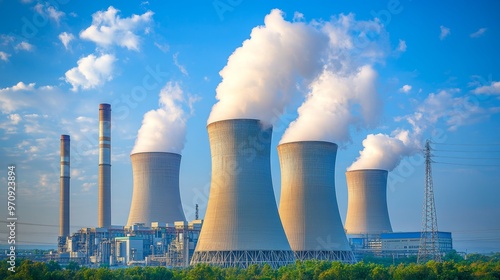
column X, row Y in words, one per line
column 401, row 46
column 4, row 56
column 479, row 33
column 66, row 38
column 493, row 88
column 453, row 111
column 24, row 46
column 405, row 88
column 48, row 11
column 108, row 29
column 445, row 31
column 23, row 86
column 91, row 71
column 15, row 118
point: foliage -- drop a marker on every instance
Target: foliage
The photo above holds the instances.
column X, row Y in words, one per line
column 453, row 267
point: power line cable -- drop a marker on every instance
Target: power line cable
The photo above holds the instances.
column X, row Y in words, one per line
column 466, row 164
column 457, row 144
column 456, row 151
column 483, row 158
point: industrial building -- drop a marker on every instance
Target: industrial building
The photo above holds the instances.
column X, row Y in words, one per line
column 368, row 226
column 242, row 225
column 395, row 244
column 169, row 245
column 156, row 196
column 308, row 205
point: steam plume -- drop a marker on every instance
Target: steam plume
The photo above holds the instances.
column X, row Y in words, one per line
column 345, row 94
column 333, row 105
column 164, row 129
column 382, row 151
column 259, row 78
column 385, row 152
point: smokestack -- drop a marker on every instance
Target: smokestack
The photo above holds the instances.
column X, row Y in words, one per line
column 156, row 196
column 308, row 204
column 104, row 203
column 64, row 187
column 367, row 202
column 242, row 225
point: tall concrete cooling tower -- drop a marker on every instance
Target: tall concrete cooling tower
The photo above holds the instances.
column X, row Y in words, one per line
column 308, row 204
column 242, row 224
column 64, row 187
column 104, row 203
column 156, row 196
column 367, row 202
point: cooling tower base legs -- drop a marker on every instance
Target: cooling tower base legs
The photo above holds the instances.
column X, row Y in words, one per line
column 243, row 259
column 340, row 256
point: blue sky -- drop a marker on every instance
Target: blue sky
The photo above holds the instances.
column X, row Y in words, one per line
column 439, row 68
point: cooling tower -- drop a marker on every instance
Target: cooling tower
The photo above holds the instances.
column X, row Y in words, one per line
column 64, row 187
column 367, row 203
column 156, row 196
column 308, row 204
column 242, row 225
column 104, row 203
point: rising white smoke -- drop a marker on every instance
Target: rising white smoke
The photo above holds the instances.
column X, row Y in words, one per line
column 259, row 79
column 382, row 151
column 333, row 104
column 344, row 95
column 164, row 129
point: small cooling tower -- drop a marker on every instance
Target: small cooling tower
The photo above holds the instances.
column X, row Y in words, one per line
column 156, row 196
column 367, row 203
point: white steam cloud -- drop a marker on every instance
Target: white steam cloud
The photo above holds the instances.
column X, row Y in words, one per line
column 345, row 94
column 382, row 151
column 164, row 129
column 259, row 79
column 333, row 105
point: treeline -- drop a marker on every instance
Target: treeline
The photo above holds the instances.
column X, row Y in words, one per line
column 476, row 267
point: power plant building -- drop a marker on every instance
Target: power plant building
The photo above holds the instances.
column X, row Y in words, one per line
column 104, row 174
column 156, row 196
column 308, row 204
column 242, row 225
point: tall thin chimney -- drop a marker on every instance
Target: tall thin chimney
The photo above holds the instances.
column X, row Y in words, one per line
column 104, row 204
column 64, row 186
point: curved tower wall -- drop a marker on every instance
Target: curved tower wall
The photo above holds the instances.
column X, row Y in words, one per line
column 64, row 187
column 308, row 204
column 242, row 224
column 367, row 202
column 156, row 196
column 104, row 186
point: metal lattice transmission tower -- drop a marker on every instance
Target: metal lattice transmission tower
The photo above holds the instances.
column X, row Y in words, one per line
column 429, row 243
